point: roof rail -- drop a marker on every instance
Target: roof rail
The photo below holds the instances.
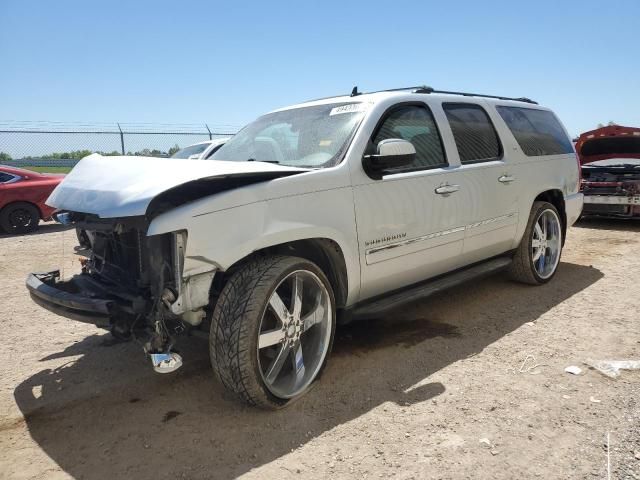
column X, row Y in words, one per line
column 497, row 97
column 425, row 89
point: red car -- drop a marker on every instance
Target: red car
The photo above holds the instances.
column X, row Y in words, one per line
column 610, row 159
column 22, row 197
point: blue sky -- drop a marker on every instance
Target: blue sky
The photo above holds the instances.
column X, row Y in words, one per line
column 225, row 63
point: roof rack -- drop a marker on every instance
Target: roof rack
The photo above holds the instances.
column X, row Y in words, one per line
column 425, row 89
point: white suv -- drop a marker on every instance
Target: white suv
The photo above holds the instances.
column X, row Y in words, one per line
column 201, row 150
column 326, row 211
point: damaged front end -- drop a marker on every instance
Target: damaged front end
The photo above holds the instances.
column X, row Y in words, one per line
column 610, row 159
column 611, row 190
column 130, row 283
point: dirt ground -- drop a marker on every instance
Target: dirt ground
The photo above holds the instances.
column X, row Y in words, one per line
column 408, row 396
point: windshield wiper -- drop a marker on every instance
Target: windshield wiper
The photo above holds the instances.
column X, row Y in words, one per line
column 263, row 161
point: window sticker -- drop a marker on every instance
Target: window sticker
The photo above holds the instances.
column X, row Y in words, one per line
column 350, row 108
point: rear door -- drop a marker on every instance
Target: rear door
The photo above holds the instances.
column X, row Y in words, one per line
column 490, row 175
column 411, row 222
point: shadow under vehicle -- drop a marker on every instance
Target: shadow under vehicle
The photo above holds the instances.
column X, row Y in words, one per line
column 101, row 415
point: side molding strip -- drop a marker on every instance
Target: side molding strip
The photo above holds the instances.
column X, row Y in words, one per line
column 438, row 234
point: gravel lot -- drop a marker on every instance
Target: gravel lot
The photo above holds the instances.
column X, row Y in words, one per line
column 409, row 396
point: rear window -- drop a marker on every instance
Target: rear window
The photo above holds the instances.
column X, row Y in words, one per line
column 538, row 132
column 475, row 136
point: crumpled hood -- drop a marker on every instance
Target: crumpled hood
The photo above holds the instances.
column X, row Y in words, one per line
column 124, row 186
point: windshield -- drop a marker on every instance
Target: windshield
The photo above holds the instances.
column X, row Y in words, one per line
column 301, row 137
column 186, row 152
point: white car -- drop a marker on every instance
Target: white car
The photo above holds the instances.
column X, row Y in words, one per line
column 326, row 211
column 201, row 150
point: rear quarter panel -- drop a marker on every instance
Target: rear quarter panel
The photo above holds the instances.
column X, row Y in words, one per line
column 540, row 174
column 536, row 174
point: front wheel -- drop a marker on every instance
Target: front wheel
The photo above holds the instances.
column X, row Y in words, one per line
column 19, row 217
column 538, row 255
column 272, row 330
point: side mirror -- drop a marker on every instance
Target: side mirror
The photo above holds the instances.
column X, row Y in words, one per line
column 391, row 154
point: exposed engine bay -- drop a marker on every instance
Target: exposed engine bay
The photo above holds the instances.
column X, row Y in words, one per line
column 130, row 283
column 612, row 190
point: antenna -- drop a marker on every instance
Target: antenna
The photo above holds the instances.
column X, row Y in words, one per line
column 354, row 91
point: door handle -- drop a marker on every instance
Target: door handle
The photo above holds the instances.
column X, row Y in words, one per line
column 446, row 189
column 506, row 179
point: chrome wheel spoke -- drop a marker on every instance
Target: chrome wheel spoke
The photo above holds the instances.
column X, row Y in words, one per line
column 270, row 337
column 546, row 244
column 537, row 252
column 276, row 366
column 279, row 308
column 538, row 232
column 314, row 317
column 541, row 260
column 298, row 364
column 296, row 297
column 294, row 333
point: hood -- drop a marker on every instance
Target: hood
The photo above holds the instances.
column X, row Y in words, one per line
column 125, row 186
column 612, row 142
column 615, row 162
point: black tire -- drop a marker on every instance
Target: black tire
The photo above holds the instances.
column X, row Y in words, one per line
column 19, row 217
column 522, row 268
column 83, row 239
column 235, row 324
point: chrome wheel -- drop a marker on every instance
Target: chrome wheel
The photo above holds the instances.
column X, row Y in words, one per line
column 294, row 334
column 546, row 243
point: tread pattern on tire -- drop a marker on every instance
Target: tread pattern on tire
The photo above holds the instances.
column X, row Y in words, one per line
column 521, row 268
column 231, row 340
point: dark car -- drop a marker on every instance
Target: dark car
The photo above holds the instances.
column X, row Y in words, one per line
column 22, row 197
column 610, row 160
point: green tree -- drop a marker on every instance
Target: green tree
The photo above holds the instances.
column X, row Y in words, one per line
column 4, row 157
column 75, row 155
column 174, row 149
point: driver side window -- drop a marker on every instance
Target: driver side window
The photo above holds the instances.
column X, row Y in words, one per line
column 415, row 124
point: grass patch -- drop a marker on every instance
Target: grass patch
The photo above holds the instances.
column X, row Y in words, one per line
column 49, row 169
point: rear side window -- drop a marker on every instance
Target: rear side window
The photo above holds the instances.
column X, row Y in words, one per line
column 538, row 132
column 415, row 124
column 5, row 177
column 475, row 135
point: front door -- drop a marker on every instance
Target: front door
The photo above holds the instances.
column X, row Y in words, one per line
column 411, row 223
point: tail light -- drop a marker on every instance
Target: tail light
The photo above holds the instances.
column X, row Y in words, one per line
column 579, row 173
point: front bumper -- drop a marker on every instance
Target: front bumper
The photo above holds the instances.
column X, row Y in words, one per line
column 613, row 199
column 621, row 206
column 65, row 298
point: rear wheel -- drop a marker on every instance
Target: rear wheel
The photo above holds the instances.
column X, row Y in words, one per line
column 19, row 217
column 272, row 330
column 537, row 258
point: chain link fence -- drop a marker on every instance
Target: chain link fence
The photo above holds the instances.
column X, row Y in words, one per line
column 57, row 144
